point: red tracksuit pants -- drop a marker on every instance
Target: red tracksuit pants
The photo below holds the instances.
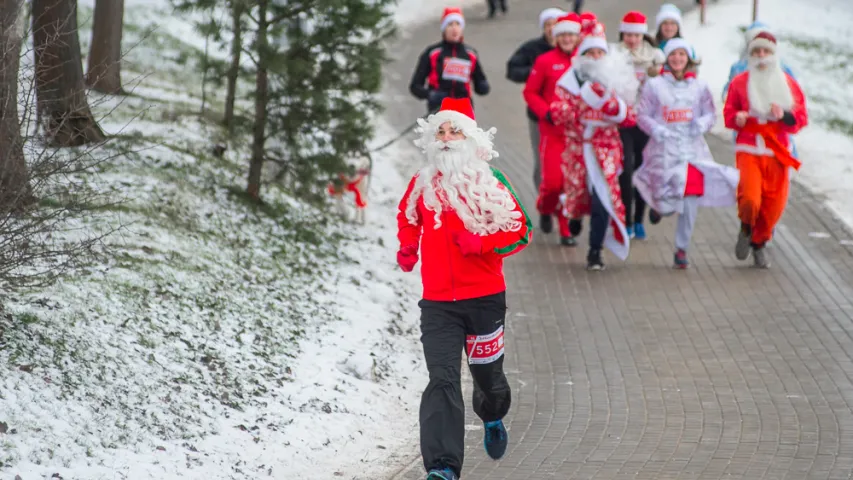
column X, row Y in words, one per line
column 551, row 149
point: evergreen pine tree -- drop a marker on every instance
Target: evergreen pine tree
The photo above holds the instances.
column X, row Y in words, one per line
column 316, row 67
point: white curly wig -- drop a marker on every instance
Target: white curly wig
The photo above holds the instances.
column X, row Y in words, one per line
column 459, row 177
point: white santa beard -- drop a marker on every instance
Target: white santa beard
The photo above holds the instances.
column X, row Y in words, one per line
column 768, row 86
column 458, row 179
column 615, row 71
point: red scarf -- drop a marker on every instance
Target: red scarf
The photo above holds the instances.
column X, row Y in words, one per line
column 769, row 132
column 350, row 185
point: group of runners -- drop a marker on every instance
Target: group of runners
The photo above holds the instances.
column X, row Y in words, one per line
column 617, row 134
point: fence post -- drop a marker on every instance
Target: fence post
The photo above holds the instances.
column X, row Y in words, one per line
column 754, row 11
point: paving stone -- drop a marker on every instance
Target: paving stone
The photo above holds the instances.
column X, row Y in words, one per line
column 642, row 371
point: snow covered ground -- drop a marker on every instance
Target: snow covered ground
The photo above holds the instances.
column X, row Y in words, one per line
column 816, row 40
column 218, row 340
column 413, row 12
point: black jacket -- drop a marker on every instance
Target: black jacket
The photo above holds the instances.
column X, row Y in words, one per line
column 448, row 70
column 521, row 62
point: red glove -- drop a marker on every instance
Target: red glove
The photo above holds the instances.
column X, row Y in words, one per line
column 611, row 108
column 468, row 243
column 407, row 257
column 599, row 89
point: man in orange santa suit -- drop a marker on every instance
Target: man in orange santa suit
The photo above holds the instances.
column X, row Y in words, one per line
column 764, row 106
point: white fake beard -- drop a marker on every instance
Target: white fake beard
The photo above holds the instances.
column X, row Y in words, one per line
column 457, row 178
column 614, row 70
column 768, row 86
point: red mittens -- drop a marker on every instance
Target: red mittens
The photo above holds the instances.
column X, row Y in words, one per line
column 468, row 243
column 407, row 257
column 598, row 89
column 611, row 108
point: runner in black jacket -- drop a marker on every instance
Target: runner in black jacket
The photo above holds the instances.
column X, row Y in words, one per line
column 518, row 69
column 448, row 68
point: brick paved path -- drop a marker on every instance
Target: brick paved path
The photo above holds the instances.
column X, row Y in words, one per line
column 644, row 372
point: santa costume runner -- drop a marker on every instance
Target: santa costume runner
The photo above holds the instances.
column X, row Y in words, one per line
column 591, row 106
column 539, row 92
column 679, row 174
column 465, row 218
column 765, row 106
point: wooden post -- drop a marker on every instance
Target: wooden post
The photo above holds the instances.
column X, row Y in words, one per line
column 754, row 11
column 702, row 12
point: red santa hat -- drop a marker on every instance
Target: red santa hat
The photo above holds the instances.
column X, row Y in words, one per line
column 570, row 23
column 593, row 41
column 452, row 14
column 459, row 112
column 634, row 22
column 590, row 25
column 763, row 39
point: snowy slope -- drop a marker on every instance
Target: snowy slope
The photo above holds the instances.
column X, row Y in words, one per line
column 816, row 40
column 219, row 340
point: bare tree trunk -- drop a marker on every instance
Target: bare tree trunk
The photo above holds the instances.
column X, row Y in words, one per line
column 60, row 95
column 234, row 70
column 104, row 73
column 256, row 163
column 15, row 189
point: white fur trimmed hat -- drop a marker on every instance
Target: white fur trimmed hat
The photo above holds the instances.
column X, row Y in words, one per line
column 457, row 111
column 763, row 39
column 754, row 29
column 552, row 13
column 634, row 22
column 592, row 41
column 668, row 11
column 676, row 44
column 570, row 23
column 450, row 15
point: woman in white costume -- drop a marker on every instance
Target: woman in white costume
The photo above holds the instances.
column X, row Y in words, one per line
column 678, row 173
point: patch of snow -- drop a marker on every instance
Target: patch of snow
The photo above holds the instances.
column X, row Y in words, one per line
column 411, row 13
column 215, row 342
column 818, row 46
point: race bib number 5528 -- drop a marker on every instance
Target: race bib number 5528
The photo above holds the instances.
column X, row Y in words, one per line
column 485, row 348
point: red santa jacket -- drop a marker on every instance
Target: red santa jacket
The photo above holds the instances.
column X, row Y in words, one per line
column 448, row 275
column 540, row 89
column 737, row 100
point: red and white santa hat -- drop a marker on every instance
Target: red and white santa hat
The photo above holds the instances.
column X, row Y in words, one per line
column 569, row 23
column 552, row 13
column 634, row 22
column 450, row 15
column 593, row 41
column 457, row 111
column 460, row 113
column 763, row 39
column 590, row 25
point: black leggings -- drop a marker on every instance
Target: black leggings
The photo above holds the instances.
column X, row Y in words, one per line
column 634, row 141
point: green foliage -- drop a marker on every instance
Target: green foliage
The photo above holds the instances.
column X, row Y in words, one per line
column 324, row 61
column 325, row 79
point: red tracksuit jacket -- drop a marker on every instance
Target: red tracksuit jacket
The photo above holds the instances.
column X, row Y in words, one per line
column 448, row 275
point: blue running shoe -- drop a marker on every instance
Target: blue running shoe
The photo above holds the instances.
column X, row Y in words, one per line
column 441, row 474
column 495, row 439
column 639, row 231
column 630, row 231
